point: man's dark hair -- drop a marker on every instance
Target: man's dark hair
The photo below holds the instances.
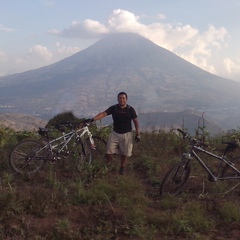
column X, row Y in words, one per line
column 122, row 93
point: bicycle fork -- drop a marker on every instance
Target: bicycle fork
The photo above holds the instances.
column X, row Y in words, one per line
column 184, row 166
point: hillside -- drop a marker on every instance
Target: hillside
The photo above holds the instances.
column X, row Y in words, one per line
column 60, row 203
column 186, row 119
column 21, row 122
column 148, row 121
column 155, row 79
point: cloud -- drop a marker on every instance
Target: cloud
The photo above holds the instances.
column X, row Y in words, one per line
column 37, row 56
column 2, row 57
column 6, row 29
column 233, row 68
column 66, row 51
column 118, row 21
column 229, row 65
column 184, row 40
column 40, row 55
column 40, row 51
column 122, row 21
column 161, row 16
column 87, row 29
column 168, row 35
column 201, row 48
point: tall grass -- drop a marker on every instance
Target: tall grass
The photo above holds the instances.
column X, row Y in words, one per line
column 56, row 205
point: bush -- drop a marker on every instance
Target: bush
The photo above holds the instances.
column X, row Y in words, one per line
column 56, row 204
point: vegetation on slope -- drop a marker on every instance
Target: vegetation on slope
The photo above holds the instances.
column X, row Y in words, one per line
column 57, row 204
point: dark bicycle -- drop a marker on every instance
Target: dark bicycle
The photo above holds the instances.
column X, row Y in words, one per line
column 178, row 175
column 78, row 143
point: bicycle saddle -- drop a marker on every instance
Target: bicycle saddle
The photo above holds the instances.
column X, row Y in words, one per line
column 233, row 143
column 43, row 131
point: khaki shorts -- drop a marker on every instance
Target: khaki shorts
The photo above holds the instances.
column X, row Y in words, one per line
column 120, row 144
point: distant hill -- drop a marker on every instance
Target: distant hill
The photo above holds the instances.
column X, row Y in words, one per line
column 155, row 79
column 20, row 122
column 149, row 121
column 187, row 119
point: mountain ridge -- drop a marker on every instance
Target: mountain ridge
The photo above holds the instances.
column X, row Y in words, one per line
column 86, row 83
column 154, row 121
column 21, row 122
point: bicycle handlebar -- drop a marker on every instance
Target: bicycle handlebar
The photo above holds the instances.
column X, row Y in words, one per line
column 72, row 125
column 192, row 140
column 182, row 132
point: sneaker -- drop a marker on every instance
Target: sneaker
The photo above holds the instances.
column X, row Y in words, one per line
column 121, row 170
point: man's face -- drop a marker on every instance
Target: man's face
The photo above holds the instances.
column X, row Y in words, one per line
column 122, row 100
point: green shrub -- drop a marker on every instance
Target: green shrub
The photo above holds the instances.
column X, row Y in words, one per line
column 109, row 206
column 191, row 218
column 229, row 212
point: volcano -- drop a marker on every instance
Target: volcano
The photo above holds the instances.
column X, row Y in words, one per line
column 88, row 82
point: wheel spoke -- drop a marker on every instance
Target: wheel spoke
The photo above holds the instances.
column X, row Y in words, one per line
column 25, row 157
column 228, row 171
column 92, row 156
column 175, row 178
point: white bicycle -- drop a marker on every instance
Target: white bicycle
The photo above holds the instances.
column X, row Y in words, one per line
column 29, row 156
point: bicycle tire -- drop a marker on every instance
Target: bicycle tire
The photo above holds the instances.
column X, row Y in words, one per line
column 22, row 158
column 97, row 154
column 175, row 178
column 44, row 140
column 230, row 172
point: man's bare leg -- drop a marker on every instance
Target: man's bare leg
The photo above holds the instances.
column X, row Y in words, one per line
column 109, row 158
column 122, row 165
column 123, row 161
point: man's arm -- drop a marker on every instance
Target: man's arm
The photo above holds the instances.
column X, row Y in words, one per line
column 136, row 124
column 99, row 116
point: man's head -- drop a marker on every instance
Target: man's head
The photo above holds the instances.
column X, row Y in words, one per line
column 123, row 93
column 122, row 99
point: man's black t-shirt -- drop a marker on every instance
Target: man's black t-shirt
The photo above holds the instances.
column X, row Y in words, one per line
column 122, row 118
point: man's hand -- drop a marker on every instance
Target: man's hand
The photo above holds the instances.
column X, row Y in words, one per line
column 89, row 120
column 138, row 138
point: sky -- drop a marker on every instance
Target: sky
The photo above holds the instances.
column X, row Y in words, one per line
column 37, row 33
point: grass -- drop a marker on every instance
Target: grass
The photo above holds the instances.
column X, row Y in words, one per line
column 58, row 203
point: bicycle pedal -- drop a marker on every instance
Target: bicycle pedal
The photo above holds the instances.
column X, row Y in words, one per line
column 52, row 162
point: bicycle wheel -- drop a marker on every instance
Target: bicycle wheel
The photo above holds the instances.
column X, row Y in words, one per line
column 175, row 178
column 44, row 140
column 83, row 156
column 25, row 157
column 230, row 172
column 97, row 154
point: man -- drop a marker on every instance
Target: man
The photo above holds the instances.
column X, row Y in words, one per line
column 120, row 140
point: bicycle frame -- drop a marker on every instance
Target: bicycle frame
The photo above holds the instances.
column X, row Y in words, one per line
column 222, row 158
column 177, row 176
column 67, row 137
column 75, row 143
